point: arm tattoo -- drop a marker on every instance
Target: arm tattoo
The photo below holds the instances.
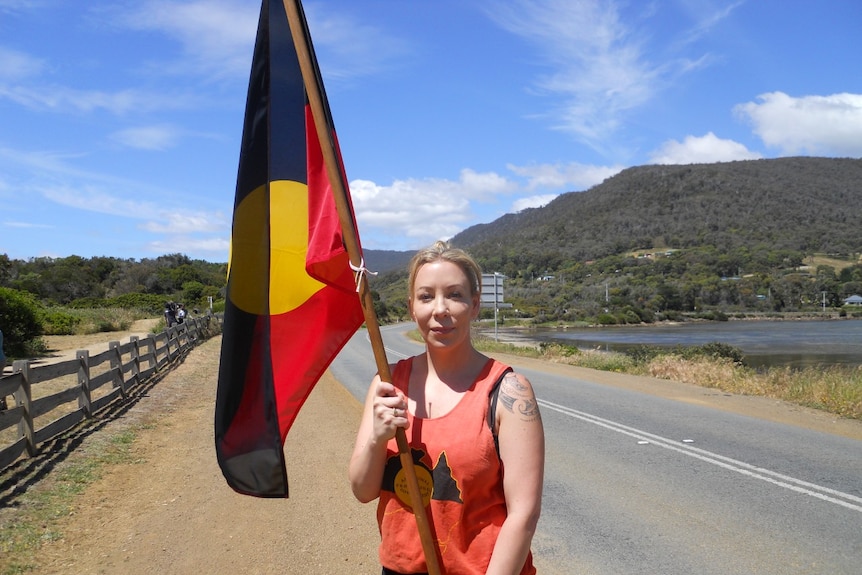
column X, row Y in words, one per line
column 518, row 399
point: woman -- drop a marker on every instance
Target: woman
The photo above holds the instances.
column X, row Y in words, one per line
column 462, row 434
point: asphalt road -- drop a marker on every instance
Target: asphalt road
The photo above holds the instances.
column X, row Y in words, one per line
column 640, row 484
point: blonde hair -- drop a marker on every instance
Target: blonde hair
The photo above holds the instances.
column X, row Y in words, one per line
column 442, row 251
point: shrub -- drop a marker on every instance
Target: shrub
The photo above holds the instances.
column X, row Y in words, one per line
column 193, row 292
column 19, row 320
column 88, row 303
column 712, row 315
column 552, row 349
column 146, row 302
column 58, row 322
column 606, row 319
column 630, row 316
column 643, row 354
column 712, row 350
column 671, row 315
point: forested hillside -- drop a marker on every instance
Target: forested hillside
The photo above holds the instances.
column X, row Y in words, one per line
column 809, row 205
column 76, row 279
column 654, row 240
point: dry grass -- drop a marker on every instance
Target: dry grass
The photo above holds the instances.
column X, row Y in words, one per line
column 821, row 260
column 834, row 389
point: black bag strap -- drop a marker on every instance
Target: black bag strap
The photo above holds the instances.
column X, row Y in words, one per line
column 492, row 407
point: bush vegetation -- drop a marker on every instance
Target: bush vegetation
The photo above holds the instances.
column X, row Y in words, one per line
column 75, row 295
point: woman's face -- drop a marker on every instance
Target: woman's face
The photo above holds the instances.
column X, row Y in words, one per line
column 442, row 303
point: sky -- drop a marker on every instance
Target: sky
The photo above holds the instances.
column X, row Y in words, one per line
column 120, row 121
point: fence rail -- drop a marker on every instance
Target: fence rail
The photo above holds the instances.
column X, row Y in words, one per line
column 83, row 384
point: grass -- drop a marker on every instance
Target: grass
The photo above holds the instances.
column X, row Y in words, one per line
column 34, row 521
column 72, row 321
column 836, row 389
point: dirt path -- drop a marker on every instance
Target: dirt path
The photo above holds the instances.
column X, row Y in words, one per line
column 171, row 512
column 62, row 347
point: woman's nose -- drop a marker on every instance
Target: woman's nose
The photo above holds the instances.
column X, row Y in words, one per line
column 440, row 305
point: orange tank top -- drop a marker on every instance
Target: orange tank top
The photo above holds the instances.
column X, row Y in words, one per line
column 461, row 480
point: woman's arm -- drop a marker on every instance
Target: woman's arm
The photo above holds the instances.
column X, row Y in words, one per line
column 522, row 451
column 377, row 427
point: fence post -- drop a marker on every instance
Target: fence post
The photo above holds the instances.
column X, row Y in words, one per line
column 182, row 331
column 136, row 360
column 171, row 333
column 24, row 397
column 153, row 361
column 117, row 367
column 84, row 399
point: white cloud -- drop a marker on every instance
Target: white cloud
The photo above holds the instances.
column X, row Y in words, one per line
column 93, row 192
column 156, row 218
column 93, row 199
column 701, row 150
column 157, row 138
column 185, row 222
column 422, row 210
column 25, row 225
column 217, row 36
column 599, row 65
column 61, row 99
column 706, row 18
column 818, row 125
column 533, row 202
column 15, row 5
column 15, row 65
column 482, row 185
column 561, row 176
column 219, row 247
column 348, row 47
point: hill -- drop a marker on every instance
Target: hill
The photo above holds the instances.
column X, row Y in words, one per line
column 656, row 241
column 386, row 260
column 801, row 204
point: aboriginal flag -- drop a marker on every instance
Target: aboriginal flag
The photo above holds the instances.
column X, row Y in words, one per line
column 291, row 297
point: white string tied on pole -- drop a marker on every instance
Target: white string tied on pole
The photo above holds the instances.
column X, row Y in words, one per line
column 361, row 270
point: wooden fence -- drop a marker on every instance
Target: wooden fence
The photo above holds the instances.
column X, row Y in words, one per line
column 68, row 392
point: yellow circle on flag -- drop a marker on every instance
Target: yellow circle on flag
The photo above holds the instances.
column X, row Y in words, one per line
column 271, row 241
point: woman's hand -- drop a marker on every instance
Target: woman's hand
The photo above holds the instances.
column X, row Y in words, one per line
column 385, row 411
column 390, row 411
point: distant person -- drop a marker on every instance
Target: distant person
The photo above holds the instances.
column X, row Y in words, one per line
column 170, row 314
column 181, row 313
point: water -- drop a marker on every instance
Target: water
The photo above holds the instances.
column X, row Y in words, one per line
column 795, row 344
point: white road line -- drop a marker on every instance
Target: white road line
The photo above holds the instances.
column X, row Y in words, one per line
column 388, row 350
column 826, row 494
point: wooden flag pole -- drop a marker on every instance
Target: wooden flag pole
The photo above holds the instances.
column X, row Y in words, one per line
column 339, row 189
